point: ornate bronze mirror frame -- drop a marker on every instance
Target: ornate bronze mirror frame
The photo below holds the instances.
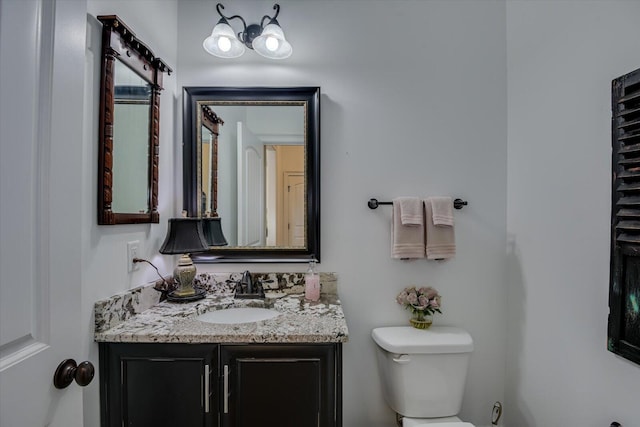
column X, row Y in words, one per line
column 130, row 85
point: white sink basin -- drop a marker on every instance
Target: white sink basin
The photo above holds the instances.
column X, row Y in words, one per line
column 238, row 315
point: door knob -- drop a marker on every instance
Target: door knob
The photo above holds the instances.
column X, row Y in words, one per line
column 68, row 371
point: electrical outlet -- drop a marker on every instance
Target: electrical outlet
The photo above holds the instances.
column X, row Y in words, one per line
column 132, row 252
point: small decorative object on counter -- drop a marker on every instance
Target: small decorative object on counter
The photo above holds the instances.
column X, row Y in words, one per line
column 312, row 281
column 423, row 303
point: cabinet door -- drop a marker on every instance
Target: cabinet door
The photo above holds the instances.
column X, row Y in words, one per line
column 158, row 385
column 280, row 385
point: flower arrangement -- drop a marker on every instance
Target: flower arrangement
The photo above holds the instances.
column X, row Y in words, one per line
column 422, row 302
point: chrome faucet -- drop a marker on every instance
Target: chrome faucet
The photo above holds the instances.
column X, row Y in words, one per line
column 246, row 282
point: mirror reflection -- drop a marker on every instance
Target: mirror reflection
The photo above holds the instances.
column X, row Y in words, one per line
column 131, row 123
column 258, row 151
column 251, row 160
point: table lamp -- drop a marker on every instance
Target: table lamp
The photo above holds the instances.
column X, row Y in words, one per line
column 184, row 236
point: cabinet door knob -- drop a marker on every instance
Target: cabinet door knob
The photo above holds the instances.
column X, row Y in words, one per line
column 69, row 370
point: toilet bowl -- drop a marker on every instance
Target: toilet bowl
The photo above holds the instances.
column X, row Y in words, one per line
column 423, row 373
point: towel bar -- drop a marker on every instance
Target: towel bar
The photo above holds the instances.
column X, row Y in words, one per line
column 374, row 203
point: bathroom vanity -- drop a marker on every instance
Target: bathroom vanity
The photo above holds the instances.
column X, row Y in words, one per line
column 220, row 385
column 161, row 366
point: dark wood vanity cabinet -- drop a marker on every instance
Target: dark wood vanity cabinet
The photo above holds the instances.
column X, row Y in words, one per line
column 281, row 385
column 194, row 385
column 158, row 385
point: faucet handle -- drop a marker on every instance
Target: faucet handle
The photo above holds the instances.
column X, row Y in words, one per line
column 259, row 289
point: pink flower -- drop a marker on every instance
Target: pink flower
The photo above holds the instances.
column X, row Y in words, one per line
column 401, row 298
column 412, row 298
column 431, row 293
column 424, row 301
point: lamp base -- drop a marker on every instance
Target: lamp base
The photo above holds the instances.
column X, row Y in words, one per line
column 184, row 274
column 174, row 297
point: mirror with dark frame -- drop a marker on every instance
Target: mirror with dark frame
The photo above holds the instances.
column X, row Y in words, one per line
column 251, row 157
column 130, row 85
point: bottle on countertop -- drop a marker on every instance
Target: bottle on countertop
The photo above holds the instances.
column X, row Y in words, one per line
column 312, row 281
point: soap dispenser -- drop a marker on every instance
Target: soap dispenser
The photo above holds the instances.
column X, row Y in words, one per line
column 312, row 281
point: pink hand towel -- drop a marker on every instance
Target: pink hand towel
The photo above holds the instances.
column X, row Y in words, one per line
column 442, row 210
column 407, row 241
column 441, row 243
column 411, row 211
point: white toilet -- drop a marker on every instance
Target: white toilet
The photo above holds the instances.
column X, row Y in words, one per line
column 423, row 373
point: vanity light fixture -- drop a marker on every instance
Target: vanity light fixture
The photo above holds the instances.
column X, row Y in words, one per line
column 267, row 40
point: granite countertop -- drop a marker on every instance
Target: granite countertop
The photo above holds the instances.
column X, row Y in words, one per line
column 301, row 321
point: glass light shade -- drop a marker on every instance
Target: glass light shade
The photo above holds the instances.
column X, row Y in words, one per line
column 223, row 42
column 271, row 43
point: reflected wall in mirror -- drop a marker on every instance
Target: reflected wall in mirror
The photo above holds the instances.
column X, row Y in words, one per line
column 251, row 158
column 130, row 84
column 131, row 112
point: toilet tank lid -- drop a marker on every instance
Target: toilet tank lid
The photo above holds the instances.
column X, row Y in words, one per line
column 409, row 340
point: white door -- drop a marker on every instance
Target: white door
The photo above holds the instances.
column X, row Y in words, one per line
column 251, row 217
column 42, row 58
column 294, row 208
column 271, row 195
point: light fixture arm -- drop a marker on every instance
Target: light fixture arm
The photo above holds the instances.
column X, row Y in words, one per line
column 219, row 8
column 276, row 7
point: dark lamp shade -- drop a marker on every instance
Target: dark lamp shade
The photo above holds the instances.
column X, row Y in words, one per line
column 184, row 236
column 213, row 232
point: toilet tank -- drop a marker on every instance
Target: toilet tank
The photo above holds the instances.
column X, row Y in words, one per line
column 423, row 372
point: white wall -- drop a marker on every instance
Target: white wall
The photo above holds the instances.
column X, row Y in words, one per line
column 104, row 257
column 562, row 57
column 414, row 103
